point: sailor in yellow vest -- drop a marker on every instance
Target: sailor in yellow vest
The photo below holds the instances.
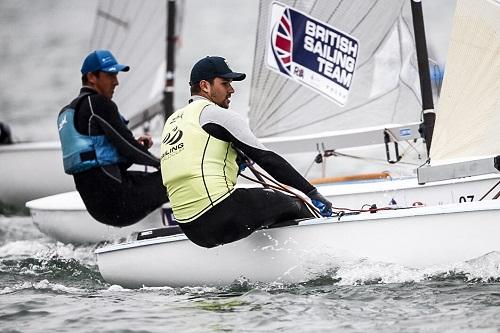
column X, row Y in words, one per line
column 199, row 165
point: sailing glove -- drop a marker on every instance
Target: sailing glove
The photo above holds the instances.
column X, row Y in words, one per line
column 319, row 201
column 243, row 163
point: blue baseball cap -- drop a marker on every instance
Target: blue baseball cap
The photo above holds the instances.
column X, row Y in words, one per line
column 211, row 67
column 104, row 61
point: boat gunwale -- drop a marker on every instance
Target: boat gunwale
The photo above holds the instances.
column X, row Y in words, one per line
column 397, row 214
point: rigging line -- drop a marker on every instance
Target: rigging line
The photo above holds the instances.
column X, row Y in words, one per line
column 407, row 141
column 383, row 161
column 309, row 168
column 489, row 191
column 260, row 176
column 279, row 187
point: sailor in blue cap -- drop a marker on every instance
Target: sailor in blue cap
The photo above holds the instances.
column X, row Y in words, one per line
column 98, row 148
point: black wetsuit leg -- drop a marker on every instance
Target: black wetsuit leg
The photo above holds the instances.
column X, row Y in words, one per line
column 243, row 212
column 121, row 203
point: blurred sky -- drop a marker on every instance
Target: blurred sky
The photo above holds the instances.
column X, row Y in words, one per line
column 43, row 43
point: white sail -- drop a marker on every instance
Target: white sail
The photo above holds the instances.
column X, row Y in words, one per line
column 469, row 109
column 135, row 32
column 385, row 87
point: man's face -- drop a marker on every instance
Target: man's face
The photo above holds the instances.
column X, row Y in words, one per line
column 220, row 92
column 105, row 83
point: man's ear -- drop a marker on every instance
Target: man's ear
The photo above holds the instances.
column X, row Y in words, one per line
column 91, row 78
column 205, row 86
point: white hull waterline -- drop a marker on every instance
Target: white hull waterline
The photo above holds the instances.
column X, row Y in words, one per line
column 416, row 237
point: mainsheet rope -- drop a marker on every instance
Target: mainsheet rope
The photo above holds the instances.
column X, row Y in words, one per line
column 273, row 184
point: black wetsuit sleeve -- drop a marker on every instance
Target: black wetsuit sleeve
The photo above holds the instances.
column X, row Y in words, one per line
column 268, row 160
column 106, row 115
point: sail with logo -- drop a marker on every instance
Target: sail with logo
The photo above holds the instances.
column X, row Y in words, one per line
column 333, row 65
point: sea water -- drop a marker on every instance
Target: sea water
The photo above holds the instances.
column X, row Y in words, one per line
column 51, row 287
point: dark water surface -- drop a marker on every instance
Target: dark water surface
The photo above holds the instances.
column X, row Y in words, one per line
column 46, row 286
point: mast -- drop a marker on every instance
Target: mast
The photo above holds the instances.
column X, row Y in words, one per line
column 429, row 115
column 168, row 93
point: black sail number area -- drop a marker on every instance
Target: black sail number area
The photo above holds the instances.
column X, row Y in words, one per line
column 173, row 137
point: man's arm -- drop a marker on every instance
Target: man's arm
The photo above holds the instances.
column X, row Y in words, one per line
column 230, row 127
column 107, row 116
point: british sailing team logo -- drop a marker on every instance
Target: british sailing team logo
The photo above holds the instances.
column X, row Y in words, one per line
column 311, row 52
column 282, row 41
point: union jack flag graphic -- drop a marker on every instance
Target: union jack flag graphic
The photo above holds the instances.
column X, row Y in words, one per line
column 297, row 48
column 282, row 41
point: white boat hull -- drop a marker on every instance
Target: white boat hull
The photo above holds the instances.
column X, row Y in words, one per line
column 31, row 170
column 417, row 237
column 63, row 217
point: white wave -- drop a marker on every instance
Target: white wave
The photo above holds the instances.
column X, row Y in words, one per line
column 363, row 271
column 44, row 251
column 41, row 285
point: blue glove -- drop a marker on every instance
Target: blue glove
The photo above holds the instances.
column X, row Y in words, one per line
column 242, row 167
column 319, row 201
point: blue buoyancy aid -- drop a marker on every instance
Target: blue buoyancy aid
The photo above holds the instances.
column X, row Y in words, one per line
column 83, row 152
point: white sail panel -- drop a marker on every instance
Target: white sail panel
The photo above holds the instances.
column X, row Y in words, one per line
column 469, row 108
column 385, row 87
column 135, row 32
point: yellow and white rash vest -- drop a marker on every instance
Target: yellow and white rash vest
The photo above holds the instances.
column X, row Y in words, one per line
column 198, row 170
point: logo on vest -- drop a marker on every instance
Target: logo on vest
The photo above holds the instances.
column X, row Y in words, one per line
column 63, row 122
column 173, row 137
column 172, row 140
